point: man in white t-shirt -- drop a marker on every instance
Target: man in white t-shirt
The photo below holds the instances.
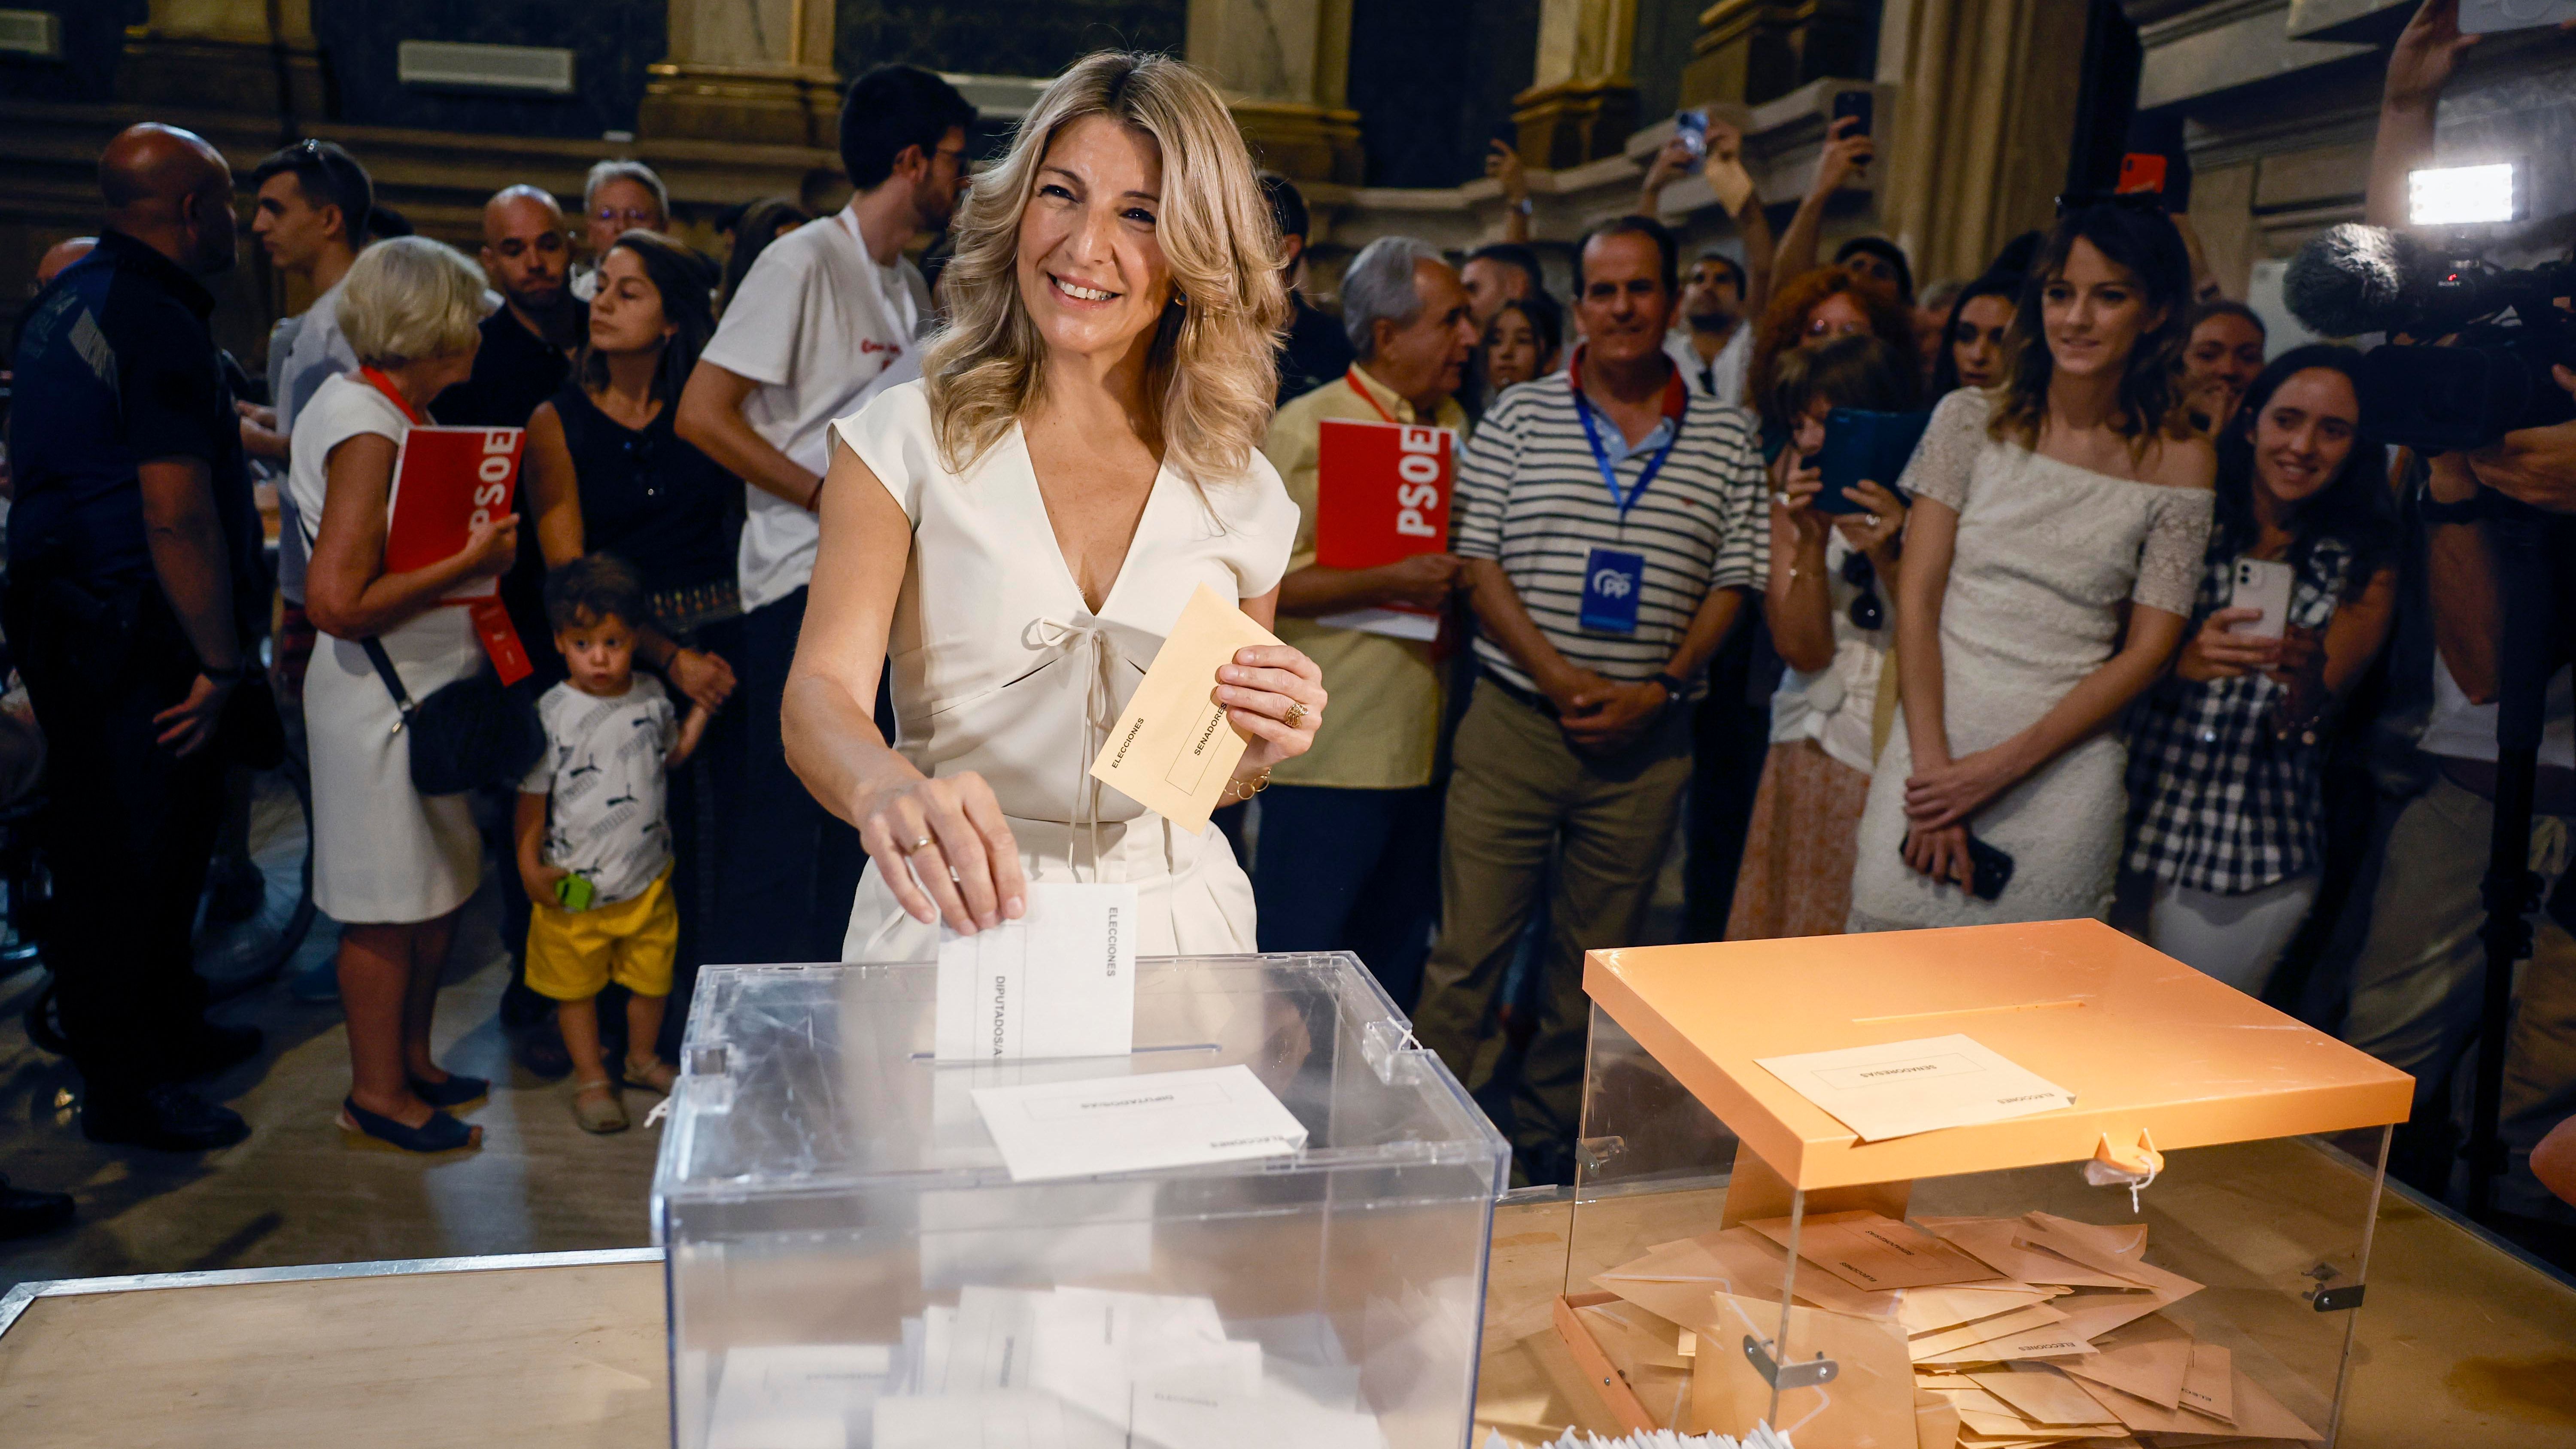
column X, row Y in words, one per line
column 817, row 328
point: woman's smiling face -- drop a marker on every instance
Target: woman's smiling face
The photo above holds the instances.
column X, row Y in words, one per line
column 1091, row 268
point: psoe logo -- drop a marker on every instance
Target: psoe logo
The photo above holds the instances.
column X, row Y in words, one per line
column 1612, row 583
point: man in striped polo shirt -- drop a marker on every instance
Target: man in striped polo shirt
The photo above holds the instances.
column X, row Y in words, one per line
column 1613, row 527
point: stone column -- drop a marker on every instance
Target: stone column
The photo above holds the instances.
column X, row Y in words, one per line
column 1581, row 104
column 752, row 71
column 1758, row 50
column 1977, row 146
column 1285, row 67
column 245, row 57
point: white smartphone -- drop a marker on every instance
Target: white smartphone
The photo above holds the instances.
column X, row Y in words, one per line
column 2480, row 17
column 2264, row 584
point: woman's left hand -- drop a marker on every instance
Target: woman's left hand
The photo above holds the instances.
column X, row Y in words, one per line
column 1881, row 519
column 1274, row 696
column 1949, row 795
column 705, row 678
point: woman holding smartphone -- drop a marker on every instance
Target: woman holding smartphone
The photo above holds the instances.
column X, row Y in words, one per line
column 1831, row 577
column 2225, row 772
column 2052, row 553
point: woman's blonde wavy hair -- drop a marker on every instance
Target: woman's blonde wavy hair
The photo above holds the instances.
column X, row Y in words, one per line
column 1212, row 370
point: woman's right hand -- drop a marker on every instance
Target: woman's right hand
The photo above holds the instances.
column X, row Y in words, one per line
column 491, row 547
column 945, row 851
column 2215, row 653
column 1795, row 482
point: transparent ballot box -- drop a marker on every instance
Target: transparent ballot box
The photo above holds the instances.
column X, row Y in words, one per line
column 851, row 1263
column 2177, row 1257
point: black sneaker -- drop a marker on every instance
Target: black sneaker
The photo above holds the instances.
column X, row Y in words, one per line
column 25, row 1212
column 216, row 1049
column 165, row 1117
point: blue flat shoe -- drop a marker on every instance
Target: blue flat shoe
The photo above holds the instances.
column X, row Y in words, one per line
column 459, row 1090
column 441, row 1133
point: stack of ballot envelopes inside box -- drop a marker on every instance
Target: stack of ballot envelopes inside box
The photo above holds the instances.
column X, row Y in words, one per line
column 1996, row 1328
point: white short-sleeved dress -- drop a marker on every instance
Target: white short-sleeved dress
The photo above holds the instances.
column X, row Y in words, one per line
column 2046, row 554
column 382, row 852
column 1000, row 668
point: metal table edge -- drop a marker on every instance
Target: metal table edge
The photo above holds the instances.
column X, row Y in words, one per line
column 14, row 1303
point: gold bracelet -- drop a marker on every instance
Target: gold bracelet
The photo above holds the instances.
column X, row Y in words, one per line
column 1234, row 789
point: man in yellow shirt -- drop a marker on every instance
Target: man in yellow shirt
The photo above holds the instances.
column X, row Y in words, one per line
column 1349, row 848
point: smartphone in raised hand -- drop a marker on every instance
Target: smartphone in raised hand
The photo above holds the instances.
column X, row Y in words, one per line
column 1857, row 104
column 2262, row 583
column 1692, row 128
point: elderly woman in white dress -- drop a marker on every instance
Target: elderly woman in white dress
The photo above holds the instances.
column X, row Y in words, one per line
column 391, row 866
column 1018, row 532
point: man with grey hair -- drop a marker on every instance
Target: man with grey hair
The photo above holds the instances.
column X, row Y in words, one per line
column 618, row 197
column 1350, row 830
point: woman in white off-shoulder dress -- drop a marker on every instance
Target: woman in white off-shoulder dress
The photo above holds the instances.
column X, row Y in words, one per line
column 1014, row 535
column 2051, row 559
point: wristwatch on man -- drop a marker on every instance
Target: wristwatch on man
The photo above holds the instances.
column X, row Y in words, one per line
column 1672, row 687
column 2433, row 510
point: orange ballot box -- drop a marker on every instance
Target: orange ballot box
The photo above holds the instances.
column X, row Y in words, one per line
column 1988, row 1186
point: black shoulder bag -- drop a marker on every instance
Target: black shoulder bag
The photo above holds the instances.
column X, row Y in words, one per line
column 466, row 735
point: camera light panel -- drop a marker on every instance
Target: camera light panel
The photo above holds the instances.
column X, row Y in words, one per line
column 2461, row 195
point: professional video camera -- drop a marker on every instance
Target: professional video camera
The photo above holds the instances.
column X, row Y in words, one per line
column 2493, row 378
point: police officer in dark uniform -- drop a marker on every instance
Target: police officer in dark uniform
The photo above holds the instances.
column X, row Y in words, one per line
column 137, row 596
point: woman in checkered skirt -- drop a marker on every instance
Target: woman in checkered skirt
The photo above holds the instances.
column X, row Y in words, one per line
column 2224, row 766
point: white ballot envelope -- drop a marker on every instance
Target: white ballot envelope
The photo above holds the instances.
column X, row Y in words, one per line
column 1173, row 750
column 1134, row 1123
column 1905, row 1087
column 1058, row 982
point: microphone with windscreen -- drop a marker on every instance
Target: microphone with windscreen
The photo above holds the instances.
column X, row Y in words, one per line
column 2352, row 279
column 2490, row 377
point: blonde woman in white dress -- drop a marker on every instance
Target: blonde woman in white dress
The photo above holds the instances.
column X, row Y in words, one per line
column 1020, row 530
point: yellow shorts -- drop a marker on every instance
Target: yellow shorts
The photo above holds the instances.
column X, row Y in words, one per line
column 572, row 954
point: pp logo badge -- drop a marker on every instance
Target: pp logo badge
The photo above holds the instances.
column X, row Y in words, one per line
column 1612, row 580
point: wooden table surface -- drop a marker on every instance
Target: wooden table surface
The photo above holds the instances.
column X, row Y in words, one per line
column 2461, row 1344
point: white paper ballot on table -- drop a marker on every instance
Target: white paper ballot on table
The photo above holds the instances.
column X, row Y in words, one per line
column 1058, row 982
column 1905, row 1087
column 1135, row 1123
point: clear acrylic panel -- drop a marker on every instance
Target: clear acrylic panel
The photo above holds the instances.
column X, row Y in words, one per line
column 850, row 1263
column 2221, row 1302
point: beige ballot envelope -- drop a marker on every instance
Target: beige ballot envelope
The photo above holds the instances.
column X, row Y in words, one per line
column 1868, row 1405
column 1173, row 749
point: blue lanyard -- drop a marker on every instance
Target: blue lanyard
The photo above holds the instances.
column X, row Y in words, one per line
column 1601, row 457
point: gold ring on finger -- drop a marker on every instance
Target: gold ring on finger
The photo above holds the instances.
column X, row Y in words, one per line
column 918, row 846
column 1295, row 713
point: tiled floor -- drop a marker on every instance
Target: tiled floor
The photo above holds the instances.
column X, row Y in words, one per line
column 294, row 1193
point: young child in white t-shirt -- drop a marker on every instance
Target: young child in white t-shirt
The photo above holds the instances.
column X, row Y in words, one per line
column 594, row 846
